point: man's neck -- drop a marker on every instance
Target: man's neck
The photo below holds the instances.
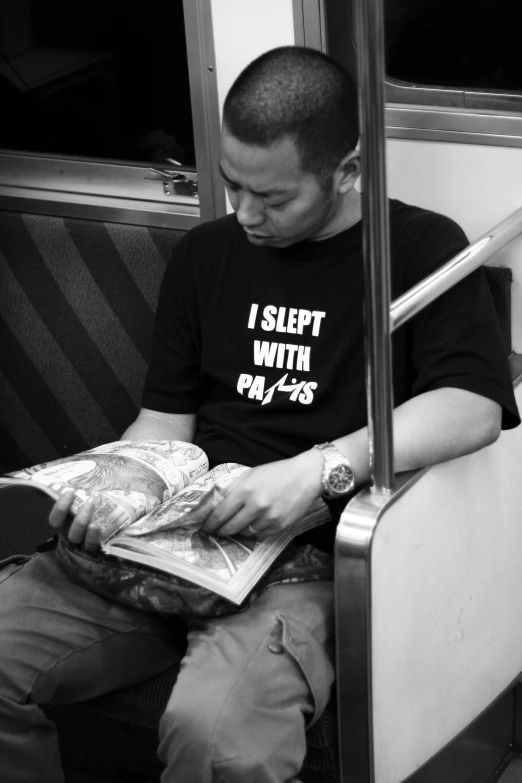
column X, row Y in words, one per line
column 347, row 212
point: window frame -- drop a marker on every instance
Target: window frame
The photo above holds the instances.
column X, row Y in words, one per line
column 421, row 122
column 127, row 191
column 431, row 113
column 398, row 91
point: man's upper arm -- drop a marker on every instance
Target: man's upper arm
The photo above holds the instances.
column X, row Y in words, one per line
column 174, row 383
column 457, row 340
column 162, row 426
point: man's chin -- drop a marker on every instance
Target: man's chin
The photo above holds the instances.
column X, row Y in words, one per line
column 267, row 241
column 257, row 239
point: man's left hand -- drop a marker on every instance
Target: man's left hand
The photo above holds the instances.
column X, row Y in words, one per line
column 269, row 498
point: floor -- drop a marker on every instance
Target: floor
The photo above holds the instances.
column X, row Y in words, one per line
column 512, row 773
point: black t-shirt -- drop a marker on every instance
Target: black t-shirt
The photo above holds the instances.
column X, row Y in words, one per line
column 267, row 345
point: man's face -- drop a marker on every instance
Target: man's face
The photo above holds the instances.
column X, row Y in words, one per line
column 276, row 202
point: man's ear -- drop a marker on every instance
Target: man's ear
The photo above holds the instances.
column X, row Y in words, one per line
column 348, row 172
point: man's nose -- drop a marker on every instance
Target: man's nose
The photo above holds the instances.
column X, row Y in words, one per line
column 250, row 211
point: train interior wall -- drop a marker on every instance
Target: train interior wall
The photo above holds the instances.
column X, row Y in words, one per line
column 476, row 185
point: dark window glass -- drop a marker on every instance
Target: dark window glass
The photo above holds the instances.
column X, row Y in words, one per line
column 471, row 44
column 102, row 79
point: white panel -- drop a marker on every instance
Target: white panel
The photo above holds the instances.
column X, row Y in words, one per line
column 244, row 29
column 446, row 603
column 477, row 186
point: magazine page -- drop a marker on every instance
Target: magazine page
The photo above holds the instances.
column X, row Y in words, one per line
column 127, row 478
column 190, row 507
column 227, row 565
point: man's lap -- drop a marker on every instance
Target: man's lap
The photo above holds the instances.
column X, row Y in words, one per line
column 66, row 644
column 61, row 643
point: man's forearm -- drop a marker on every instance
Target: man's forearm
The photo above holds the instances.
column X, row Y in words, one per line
column 154, row 425
column 433, row 427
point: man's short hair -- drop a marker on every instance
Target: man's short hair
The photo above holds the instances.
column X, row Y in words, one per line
column 299, row 93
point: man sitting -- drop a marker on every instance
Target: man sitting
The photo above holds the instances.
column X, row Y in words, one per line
column 258, row 358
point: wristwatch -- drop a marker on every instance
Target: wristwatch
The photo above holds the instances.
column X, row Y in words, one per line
column 338, row 475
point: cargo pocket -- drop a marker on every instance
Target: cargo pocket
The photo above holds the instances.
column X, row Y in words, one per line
column 11, row 565
column 310, row 656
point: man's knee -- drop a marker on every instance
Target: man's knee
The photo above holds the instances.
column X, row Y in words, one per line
column 196, row 738
column 190, row 724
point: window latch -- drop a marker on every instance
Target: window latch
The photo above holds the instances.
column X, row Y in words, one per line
column 175, row 182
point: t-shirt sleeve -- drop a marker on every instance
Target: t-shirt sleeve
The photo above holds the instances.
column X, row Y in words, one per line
column 457, row 340
column 173, row 383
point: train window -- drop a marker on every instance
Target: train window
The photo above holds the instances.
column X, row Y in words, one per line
column 96, row 80
column 453, row 68
column 98, row 94
column 462, row 52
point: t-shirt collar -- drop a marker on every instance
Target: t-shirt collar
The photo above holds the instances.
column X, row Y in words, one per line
column 323, row 247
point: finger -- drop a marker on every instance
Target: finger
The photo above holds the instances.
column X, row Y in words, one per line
column 261, row 529
column 239, row 523
column 61, row 509
column 81, row 521
column 253, row 525
column 223, row 512
column 260, row 534
column 93, row 537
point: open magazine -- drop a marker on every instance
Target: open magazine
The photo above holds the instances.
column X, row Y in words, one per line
column 151, row 499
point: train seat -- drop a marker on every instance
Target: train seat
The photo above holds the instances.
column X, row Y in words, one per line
column 76, row 317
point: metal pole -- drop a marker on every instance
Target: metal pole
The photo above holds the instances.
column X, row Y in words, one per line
column 369, row 27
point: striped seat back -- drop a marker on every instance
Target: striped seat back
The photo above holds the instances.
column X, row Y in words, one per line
column 77, row 303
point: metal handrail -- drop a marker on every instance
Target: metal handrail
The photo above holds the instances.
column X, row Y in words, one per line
column 369, row 24
column 418, row 297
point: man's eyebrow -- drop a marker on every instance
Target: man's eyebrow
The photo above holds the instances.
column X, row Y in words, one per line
column 272, row 192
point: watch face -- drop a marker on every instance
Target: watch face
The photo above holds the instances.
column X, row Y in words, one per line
column 340, row 479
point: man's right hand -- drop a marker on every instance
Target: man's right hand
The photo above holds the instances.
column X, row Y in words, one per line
column 83, row 530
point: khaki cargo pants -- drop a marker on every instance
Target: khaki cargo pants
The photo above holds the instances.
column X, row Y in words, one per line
column 248, row 686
